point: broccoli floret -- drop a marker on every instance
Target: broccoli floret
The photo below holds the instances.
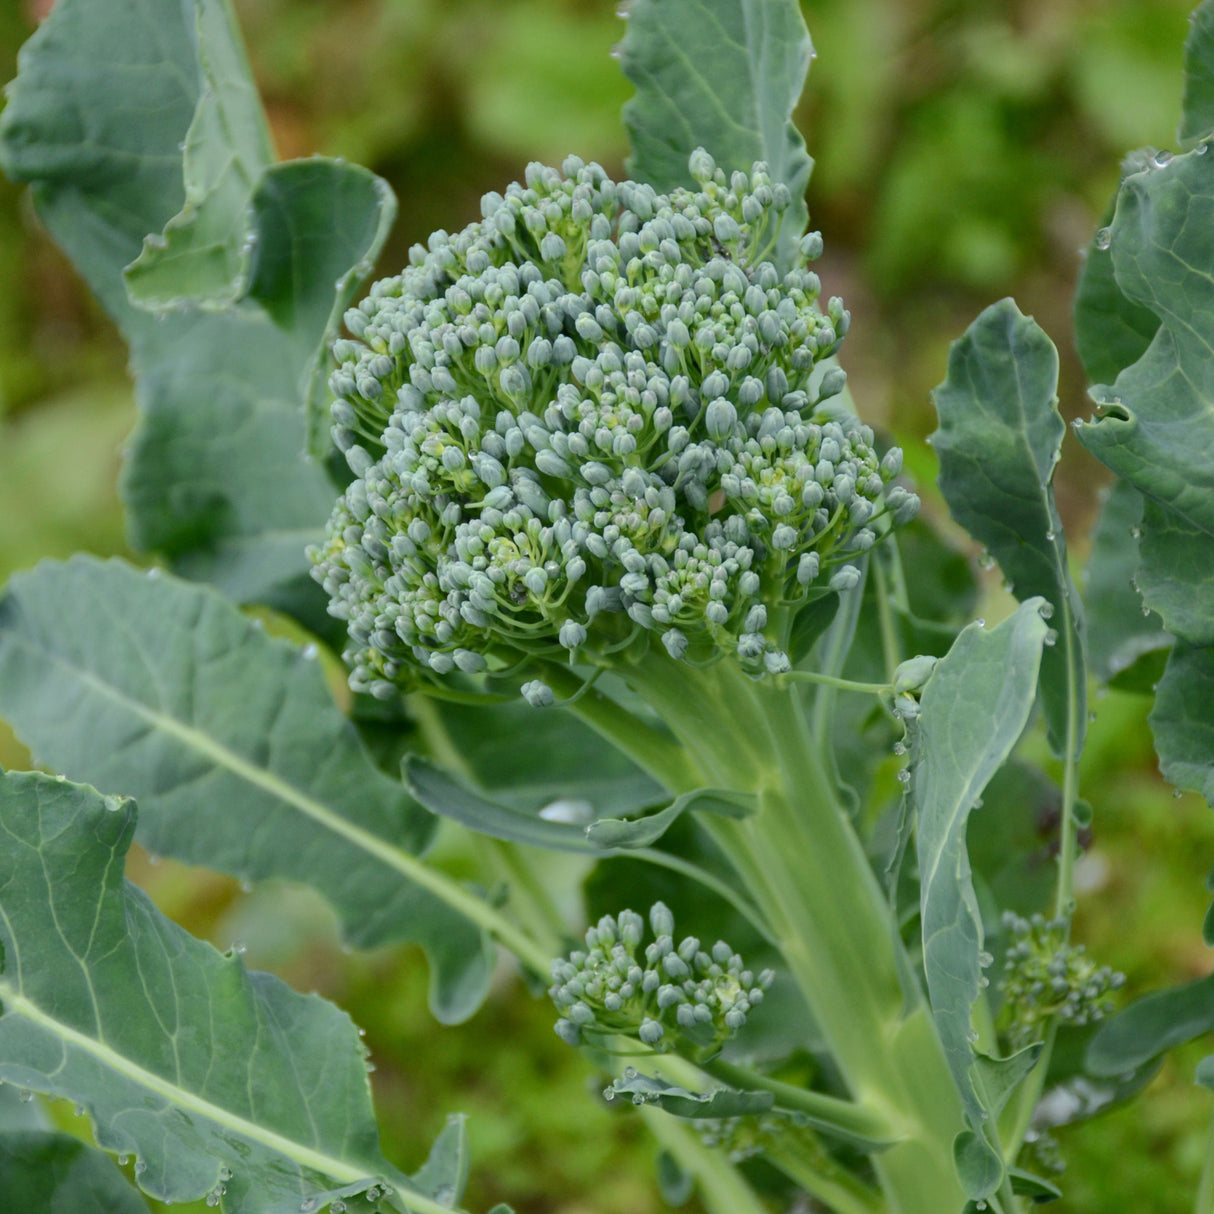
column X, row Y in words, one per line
column 668, row 996
column 595, row 414
column 1045, row 976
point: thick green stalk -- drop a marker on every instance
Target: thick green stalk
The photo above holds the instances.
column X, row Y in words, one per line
column 806, row 871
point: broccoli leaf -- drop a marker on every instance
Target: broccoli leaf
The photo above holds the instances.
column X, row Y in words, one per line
column 720, row 1102
column 1119, row 630
column 999, row 439
column 1197, row 118
column 216, row 477
column 47, row 1170
column 497, row 744
column 1111, row 331
column 1181, row 721
column 233, row 743
column 973, row 710
column 641, row 832
column 442, row 794
column 212, row 1076
column 1151, row 1026
column 202, row 253
column 724, row 75
column 1176, row 576
column 1155, row 423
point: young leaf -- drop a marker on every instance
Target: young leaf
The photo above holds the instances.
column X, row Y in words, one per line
column 215, row 478
column 721, row 1102
column 1155, row 424
column 641, row 832
column 1119, row 632
column 973, row 710
column 1151, row 1026
column 445, row 1172
column 212, row 1076
column 47, row 1170
column 999, row 439
column 498, row 744
column 441, row 794
column 233, row 744
column 724, row 75
column 1181, row 722
column 1198, row 112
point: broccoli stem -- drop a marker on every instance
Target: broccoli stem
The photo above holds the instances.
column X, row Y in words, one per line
column 806, row 871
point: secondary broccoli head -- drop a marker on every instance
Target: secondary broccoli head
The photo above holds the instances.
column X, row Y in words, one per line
column 596, row 413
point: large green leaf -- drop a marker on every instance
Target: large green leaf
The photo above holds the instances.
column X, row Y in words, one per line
column 1119, row 630
column 999, row 439
column 1176, row 576
column 1181, row 720
column 232, row 742
column 1151, row 1026
column 1111, row 331
column 725, row 75
column 46, row 1170
column 1198, row 114
column 218, row 1080
column 107, row 95
column 973, row 710
column 1155, row 424
column 202, row 253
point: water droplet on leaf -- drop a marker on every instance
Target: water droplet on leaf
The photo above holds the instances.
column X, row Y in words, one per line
column 1104, row 238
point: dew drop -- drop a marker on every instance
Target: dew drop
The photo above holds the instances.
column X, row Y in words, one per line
column 985, row 560
column 1201, row 149
column 153, row 573
column 444, row 1194
column 1091, row 718
column 899, row 748
column 980, row 622
column 1104, row 238
column 246, row 886
column 154, row 859
column 113, row 804
column 616, row 52
column 309, row 1204
column 213, row 1200
column 1050, row 536
column 238, row 948
column 123, row 1160
column 904, row 776
column 337, row 1207
column 1178, row 793
column 309, row 652
column 140, row 1167
column 1051, row 636
column 225, row 1173
column 1161, row 160
column 1047, row 611
column 25, row 1095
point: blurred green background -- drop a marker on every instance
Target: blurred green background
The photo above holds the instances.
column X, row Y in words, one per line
column 964, row 153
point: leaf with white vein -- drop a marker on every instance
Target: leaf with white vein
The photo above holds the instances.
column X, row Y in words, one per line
column 219, row 1081
column 232, row 743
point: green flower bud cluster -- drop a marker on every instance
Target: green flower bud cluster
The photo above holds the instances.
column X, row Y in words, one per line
column 668, row 996
column 596, row 413
column 1044, row 976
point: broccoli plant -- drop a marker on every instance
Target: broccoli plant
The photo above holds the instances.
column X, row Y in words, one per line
column 614, row 568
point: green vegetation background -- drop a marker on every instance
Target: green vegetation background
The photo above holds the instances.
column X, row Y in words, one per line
column 964, row 152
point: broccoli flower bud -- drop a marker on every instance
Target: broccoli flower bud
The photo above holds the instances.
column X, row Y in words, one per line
column 669, row 997
column 1044, row 976
column 595, row 413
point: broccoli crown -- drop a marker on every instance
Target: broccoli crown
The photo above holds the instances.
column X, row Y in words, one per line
column 596, row 413
column 665, row 994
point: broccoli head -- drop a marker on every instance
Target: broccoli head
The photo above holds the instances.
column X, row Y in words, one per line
column 597, row 415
